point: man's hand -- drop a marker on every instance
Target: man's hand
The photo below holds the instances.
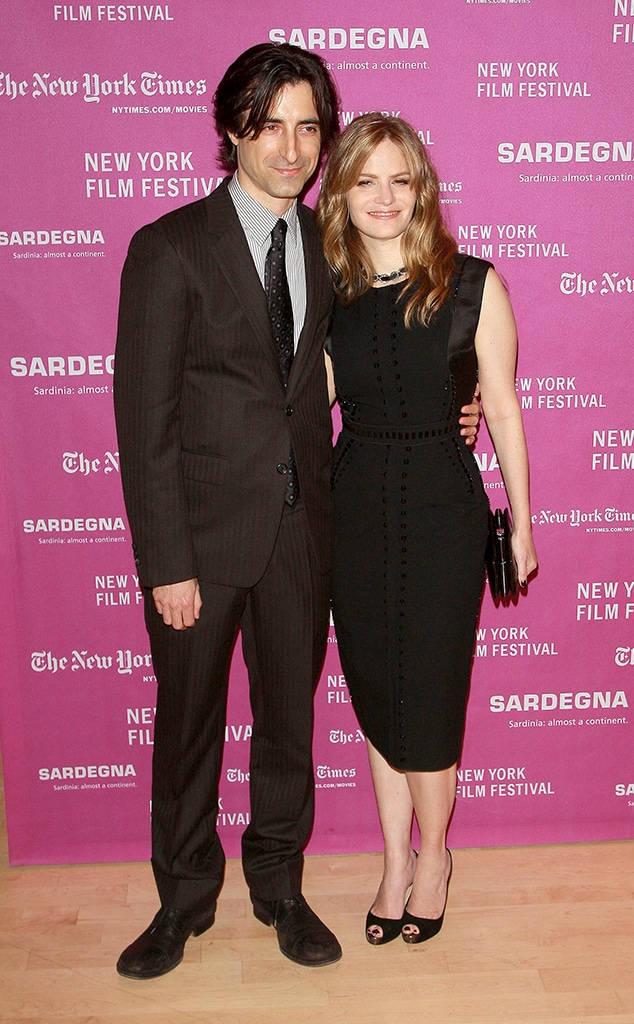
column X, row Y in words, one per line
column 178, row 603
column 470, row 418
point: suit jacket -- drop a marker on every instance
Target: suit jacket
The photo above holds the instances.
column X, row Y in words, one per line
column 205, row 425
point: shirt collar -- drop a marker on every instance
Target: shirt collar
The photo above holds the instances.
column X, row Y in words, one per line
column 257, row 220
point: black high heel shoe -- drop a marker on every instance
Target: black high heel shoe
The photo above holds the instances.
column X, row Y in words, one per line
column 427, row 926
column 390, row 928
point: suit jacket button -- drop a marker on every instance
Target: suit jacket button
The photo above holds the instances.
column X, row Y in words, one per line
column 282, row 468
column 289, row 410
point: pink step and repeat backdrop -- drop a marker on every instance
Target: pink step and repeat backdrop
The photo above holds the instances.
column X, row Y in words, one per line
column 525, row 106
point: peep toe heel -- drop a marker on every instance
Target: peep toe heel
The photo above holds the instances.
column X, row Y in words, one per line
column 427, row 926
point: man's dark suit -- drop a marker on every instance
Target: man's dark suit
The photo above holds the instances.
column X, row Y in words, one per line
column 205, row 428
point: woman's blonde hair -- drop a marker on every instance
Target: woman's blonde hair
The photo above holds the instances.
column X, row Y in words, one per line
column 427, row 247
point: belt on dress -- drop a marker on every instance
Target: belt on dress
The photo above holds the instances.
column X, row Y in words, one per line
column 415, row 434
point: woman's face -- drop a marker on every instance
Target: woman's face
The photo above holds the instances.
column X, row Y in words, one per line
column 381, row 203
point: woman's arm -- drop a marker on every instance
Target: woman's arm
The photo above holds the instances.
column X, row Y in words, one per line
column 496, row 348
column 330, row 374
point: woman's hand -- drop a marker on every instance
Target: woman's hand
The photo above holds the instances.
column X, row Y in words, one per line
column 524, row 554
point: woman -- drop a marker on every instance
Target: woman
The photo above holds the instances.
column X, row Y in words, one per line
column 416, row 324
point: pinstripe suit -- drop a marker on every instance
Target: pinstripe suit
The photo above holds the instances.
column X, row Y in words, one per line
column 205, row 426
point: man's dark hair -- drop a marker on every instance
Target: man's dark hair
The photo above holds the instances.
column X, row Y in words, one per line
column 250, row 87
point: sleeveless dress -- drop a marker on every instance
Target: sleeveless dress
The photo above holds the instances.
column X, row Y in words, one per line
column 410, row 519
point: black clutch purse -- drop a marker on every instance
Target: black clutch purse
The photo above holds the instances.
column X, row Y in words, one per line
column 500, row 563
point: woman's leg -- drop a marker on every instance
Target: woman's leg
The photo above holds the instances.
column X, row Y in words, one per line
column 433, row 795
column 395, row 808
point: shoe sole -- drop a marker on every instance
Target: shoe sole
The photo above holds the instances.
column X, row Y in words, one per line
column 311, row 963
column 146, row 976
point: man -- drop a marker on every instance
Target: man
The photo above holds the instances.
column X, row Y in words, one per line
column 225, row 444
column 209, row 437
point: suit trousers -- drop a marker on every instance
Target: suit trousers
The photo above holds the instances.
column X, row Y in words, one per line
column 284, row 621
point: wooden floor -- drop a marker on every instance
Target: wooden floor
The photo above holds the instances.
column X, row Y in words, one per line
column 531, row 934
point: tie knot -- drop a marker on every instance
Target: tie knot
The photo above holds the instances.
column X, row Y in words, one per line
column 278, row 233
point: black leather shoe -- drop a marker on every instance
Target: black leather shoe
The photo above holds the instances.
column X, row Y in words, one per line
column 302, row 937
column 160, row 947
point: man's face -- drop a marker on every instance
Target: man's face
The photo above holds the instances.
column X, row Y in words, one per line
column 274, row 168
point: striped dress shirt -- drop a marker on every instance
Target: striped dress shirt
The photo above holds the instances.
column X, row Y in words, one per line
column 257, row 222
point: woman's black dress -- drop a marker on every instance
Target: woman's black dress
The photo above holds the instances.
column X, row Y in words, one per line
column 410, row 520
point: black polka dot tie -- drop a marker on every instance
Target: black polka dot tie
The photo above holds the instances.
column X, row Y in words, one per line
column 278, row 299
